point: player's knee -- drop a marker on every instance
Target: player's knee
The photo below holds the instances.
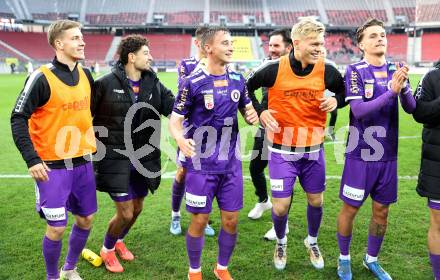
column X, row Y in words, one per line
column 280, row 209
column 435, row 223
column 126, row 216
column 200, row 221
column 137, row 211
column 84, row 222
column 180, row 174
column 380, row 217
column 230, row 223
column 349, row 211
column 316, row 201
column 55, row 233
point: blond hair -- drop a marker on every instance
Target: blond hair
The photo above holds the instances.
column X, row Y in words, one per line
column 57, row 28
column 305, row 27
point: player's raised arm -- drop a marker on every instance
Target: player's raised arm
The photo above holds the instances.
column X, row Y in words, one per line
column 355, row 92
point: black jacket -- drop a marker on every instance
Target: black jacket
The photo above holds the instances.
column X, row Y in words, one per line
column 112, row 105
column 428, row 112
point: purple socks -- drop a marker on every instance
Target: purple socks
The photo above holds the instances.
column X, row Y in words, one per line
column 77, row 242
column 374, row 244
column 435, row 262
column 226, row 245
column 279, row 224
column 51, row 253
column 344, row 244
column 194, row 247
column 314, row 218
column 110, row 241
column 178, row 192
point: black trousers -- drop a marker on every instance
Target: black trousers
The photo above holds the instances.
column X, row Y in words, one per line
column 258, row 164
column 333, row 118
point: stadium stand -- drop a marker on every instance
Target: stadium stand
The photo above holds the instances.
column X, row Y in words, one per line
column 430, row 43
column 235, row 11
column 180, row 13
column 5, row 53
column 5, row 10
column 354, row 18
column 397, row 46
column 120, row 18
column 286, row 13
column 341, row 48
column 353, row 13
column 109, row 12
column 405, row 8
column 165, row 47
column 31, row 44
column 428, row 11
column 96, row 48
column 53, row 10
column 192, row 13
column 265, row 44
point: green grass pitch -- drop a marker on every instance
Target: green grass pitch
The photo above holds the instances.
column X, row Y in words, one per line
column 162, row 256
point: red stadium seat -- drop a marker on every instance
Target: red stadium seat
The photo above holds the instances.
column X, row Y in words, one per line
column 430, row 43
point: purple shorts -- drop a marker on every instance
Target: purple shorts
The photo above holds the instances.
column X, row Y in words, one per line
column 360, row 179
column 66, row 190
column 434, row 204
column 137, row 188
column 202, row 188
column 308, row 167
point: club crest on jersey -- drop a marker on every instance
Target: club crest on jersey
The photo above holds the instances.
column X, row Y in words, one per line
column 209, row 101
column 235, row 95
column 369, row 90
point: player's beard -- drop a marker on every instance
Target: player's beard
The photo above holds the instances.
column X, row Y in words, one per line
column 144, row 68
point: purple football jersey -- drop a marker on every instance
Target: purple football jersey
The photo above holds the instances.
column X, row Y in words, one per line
column 210, row 104
column 367, row 82
column 186, row 67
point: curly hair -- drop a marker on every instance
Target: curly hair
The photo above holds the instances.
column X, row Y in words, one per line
column 131, row 44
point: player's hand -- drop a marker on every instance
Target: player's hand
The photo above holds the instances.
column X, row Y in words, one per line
column 328, row 104
column 268, row 121
column 186, row 146
column 400, row 78
column 251, row 116
column 39, row 172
